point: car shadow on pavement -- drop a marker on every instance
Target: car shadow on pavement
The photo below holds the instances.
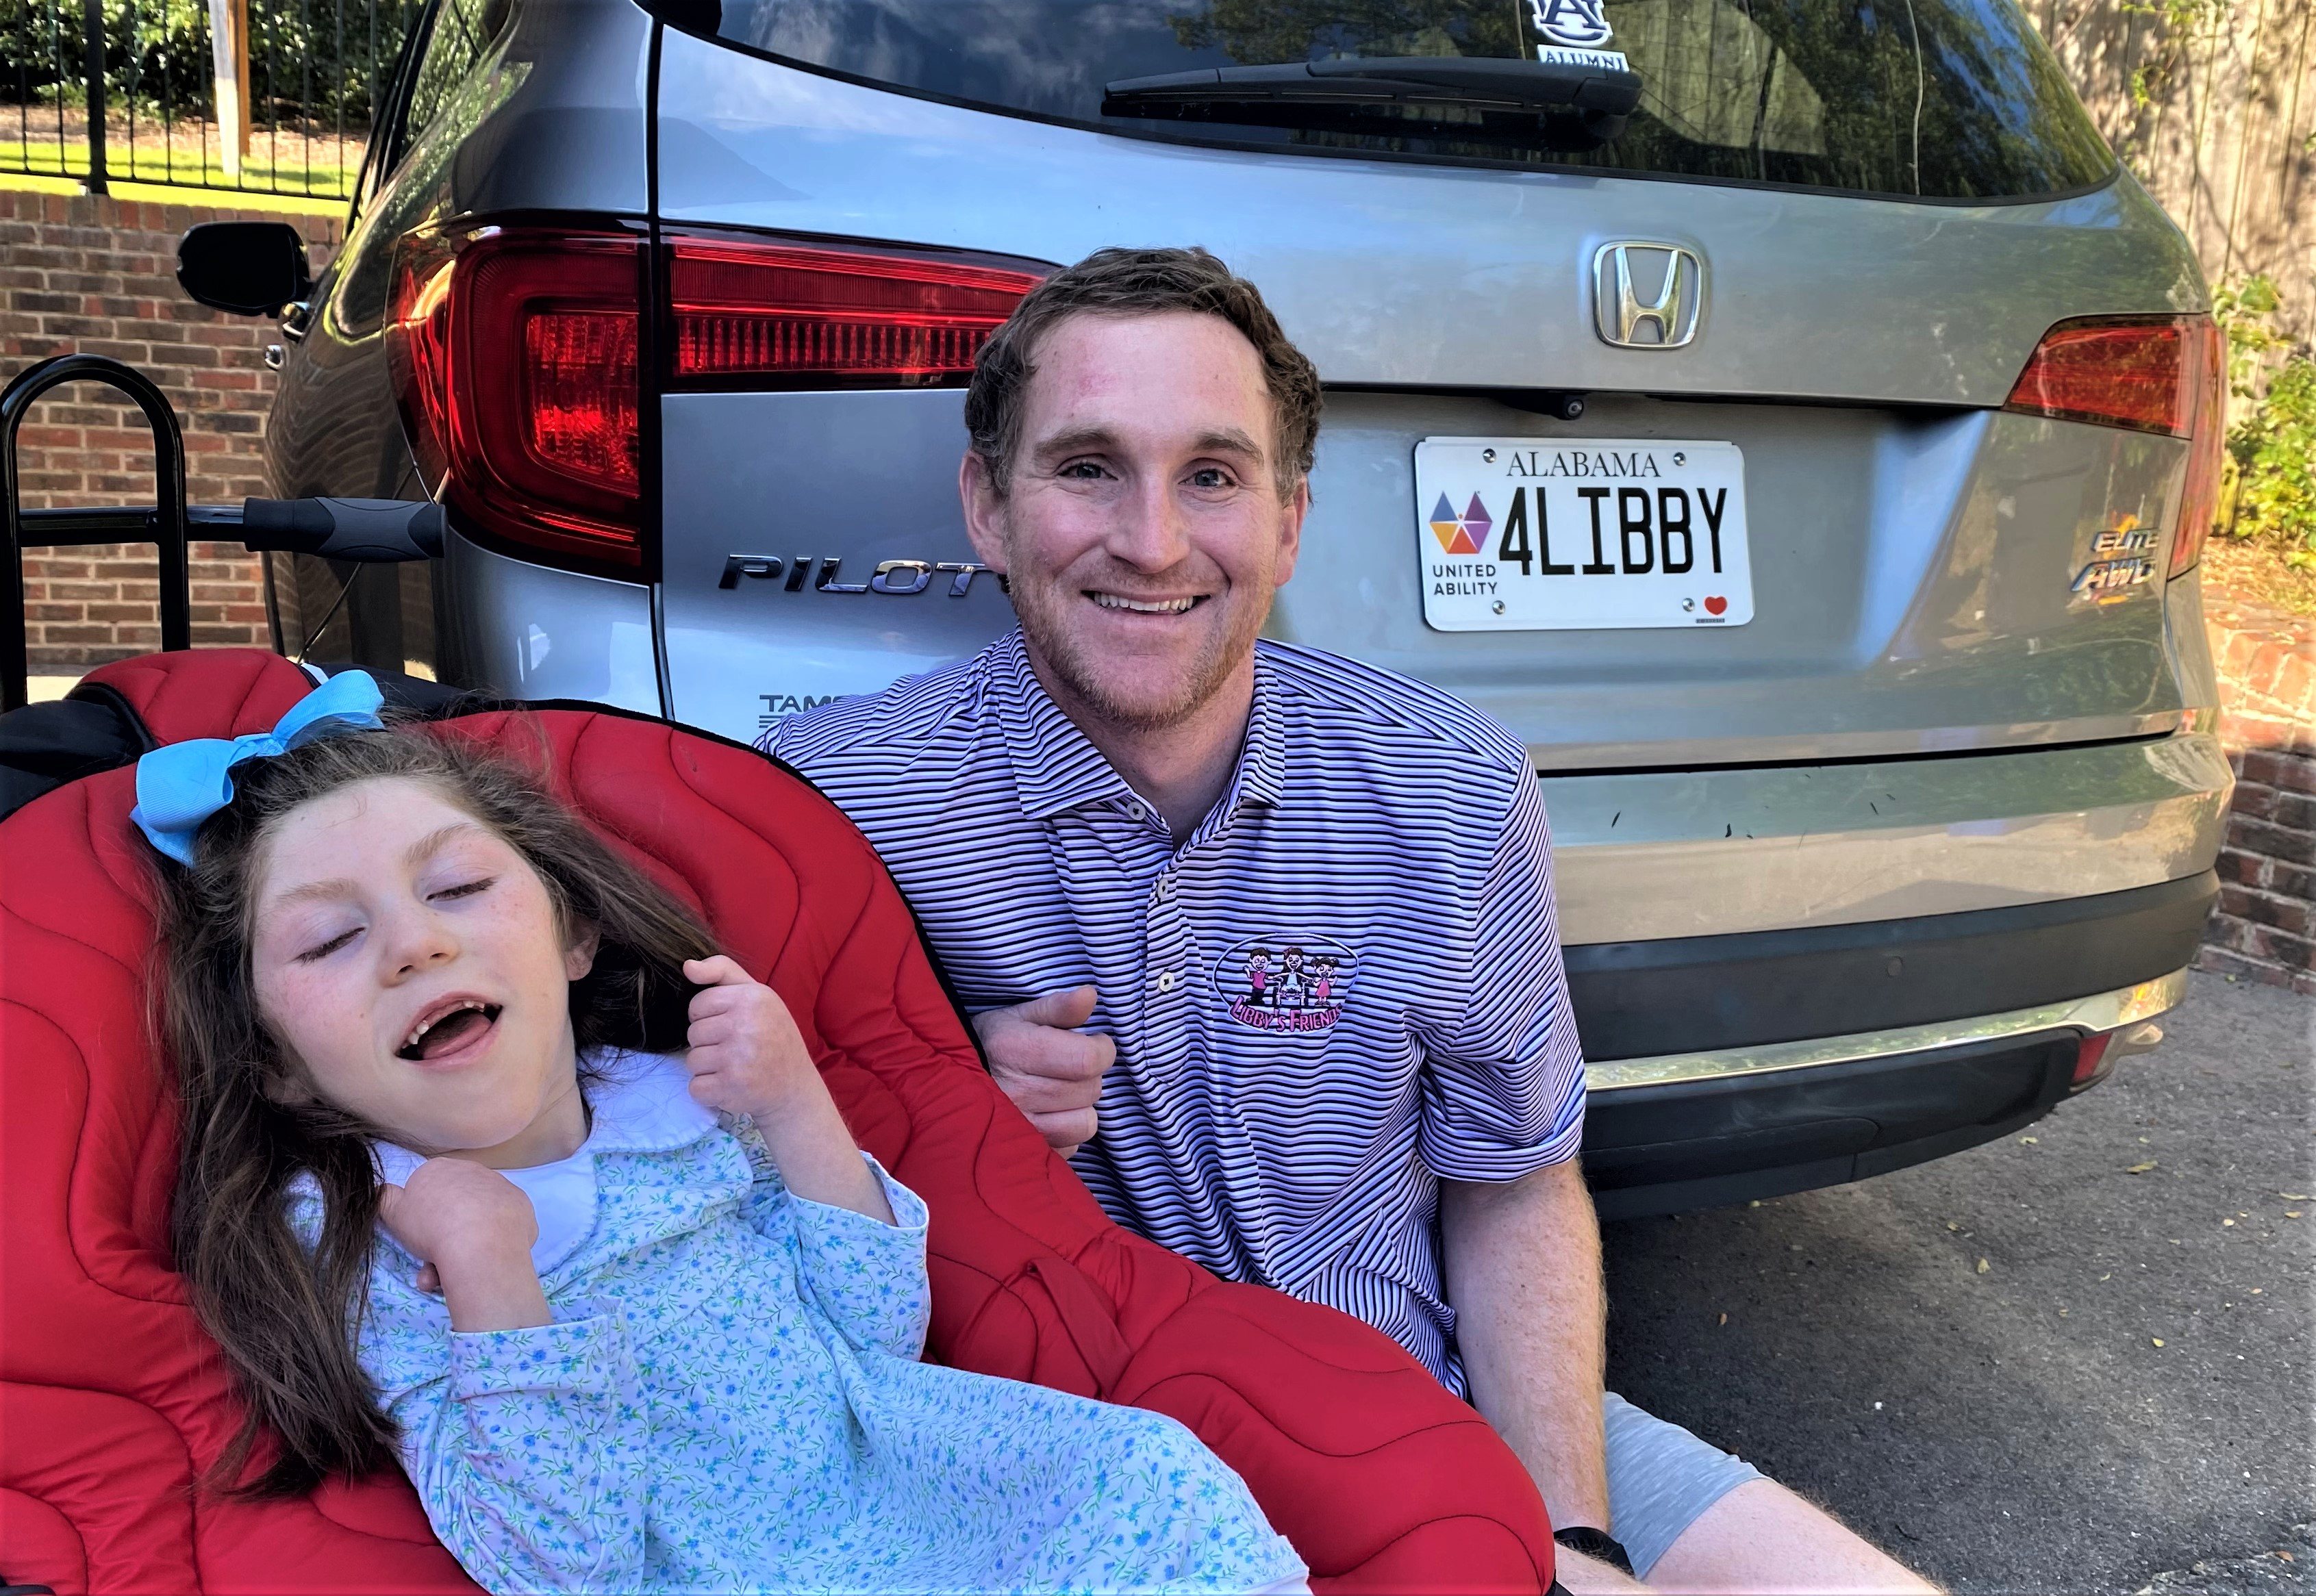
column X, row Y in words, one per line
column 2074, row 1360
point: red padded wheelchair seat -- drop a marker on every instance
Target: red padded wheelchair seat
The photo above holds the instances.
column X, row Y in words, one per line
column 113, row 1401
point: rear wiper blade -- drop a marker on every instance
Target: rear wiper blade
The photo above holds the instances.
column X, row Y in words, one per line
column 1477, row 82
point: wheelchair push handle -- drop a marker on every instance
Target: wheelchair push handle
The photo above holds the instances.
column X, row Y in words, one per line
column 370, row 531
column 361, row 531
column 366, row 531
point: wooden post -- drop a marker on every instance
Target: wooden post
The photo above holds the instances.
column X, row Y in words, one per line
column 229, row 62
column 241, row 68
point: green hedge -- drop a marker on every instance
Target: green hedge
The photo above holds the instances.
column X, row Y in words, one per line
column 310, row 61
column 2269, row 496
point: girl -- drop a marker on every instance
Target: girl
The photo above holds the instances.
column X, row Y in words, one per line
column 636, row 1316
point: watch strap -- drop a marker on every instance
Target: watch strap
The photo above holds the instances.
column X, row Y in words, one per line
column 1595, row 1544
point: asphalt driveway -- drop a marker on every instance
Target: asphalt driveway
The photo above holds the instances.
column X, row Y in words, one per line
column 2076, row 1359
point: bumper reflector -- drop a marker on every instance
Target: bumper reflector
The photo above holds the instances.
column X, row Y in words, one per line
column 2091, row 1060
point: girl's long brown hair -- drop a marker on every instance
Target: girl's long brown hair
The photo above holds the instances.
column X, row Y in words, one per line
column 285, row 1316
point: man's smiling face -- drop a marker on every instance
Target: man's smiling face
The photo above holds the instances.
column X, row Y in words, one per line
column 1144, row 531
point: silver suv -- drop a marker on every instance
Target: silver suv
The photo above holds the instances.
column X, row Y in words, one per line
column 1785, row 414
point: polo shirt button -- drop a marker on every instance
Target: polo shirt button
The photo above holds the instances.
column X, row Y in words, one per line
column 1165, row 887
column 1165, row 980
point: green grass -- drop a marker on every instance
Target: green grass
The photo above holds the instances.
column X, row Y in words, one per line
column 297, row 177
column 155, row 193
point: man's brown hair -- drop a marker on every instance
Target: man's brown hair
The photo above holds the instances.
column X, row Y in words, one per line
column 1139, row 283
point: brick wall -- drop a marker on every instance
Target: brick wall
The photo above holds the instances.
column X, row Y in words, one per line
column 98, row 274
column 2266, row 927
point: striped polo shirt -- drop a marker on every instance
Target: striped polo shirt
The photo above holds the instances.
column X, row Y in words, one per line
column 1343, row 988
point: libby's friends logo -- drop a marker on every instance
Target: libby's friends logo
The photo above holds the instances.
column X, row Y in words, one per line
column 1286, row 983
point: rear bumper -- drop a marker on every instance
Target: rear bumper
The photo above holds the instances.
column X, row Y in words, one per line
column 1712, row 851
column 1975, row 1023
column 1696, row 994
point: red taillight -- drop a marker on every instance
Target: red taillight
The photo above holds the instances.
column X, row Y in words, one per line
column 578, row 421
column 814, row 315
column 2152, row 374
column 2199, row 490
column 2133, row 373
column 514, row 351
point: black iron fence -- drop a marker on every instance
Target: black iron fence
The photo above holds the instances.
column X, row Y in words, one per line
column 260, row 97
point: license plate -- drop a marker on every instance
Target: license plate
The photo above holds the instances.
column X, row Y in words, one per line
column 1515, row 534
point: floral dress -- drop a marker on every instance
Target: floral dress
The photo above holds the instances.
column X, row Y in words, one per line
column 730, row 1399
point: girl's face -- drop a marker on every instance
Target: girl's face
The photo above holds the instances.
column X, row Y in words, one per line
column 410, row 960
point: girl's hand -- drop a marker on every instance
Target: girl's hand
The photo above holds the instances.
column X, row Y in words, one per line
column 472, row 1230
column 747, row 1056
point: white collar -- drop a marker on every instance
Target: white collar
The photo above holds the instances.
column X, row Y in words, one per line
column 641, row 1102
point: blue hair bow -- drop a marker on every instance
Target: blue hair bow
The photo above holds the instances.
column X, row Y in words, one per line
column 184, row 784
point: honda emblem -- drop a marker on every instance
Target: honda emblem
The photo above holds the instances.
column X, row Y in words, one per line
column 1646, row 295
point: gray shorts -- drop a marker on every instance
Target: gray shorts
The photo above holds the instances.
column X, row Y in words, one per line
column 1660, row 1480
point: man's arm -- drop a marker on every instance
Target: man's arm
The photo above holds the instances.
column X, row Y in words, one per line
column 1519, row 1246
column 1522, row 1259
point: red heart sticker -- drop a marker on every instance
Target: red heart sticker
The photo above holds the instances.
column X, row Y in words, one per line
column 1715, row 605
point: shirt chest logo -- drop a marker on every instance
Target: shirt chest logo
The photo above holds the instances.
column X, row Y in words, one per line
column 1286, row 983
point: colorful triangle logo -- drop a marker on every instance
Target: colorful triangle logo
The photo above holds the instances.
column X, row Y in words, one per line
column 1444, row 524
column 1476, row 522
column 1460, row 534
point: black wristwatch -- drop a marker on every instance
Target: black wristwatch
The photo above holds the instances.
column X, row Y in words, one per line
column 1595, row 1544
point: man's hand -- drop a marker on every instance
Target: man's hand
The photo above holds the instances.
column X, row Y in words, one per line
column 472, row 1229
column 746, row 1055
column 1049, row 1068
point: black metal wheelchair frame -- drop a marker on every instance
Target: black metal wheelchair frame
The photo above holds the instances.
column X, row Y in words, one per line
column 369, row 531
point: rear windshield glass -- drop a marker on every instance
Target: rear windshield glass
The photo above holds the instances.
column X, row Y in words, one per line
column 1941, row 99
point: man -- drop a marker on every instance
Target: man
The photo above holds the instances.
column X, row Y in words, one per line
column 1132, row 816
